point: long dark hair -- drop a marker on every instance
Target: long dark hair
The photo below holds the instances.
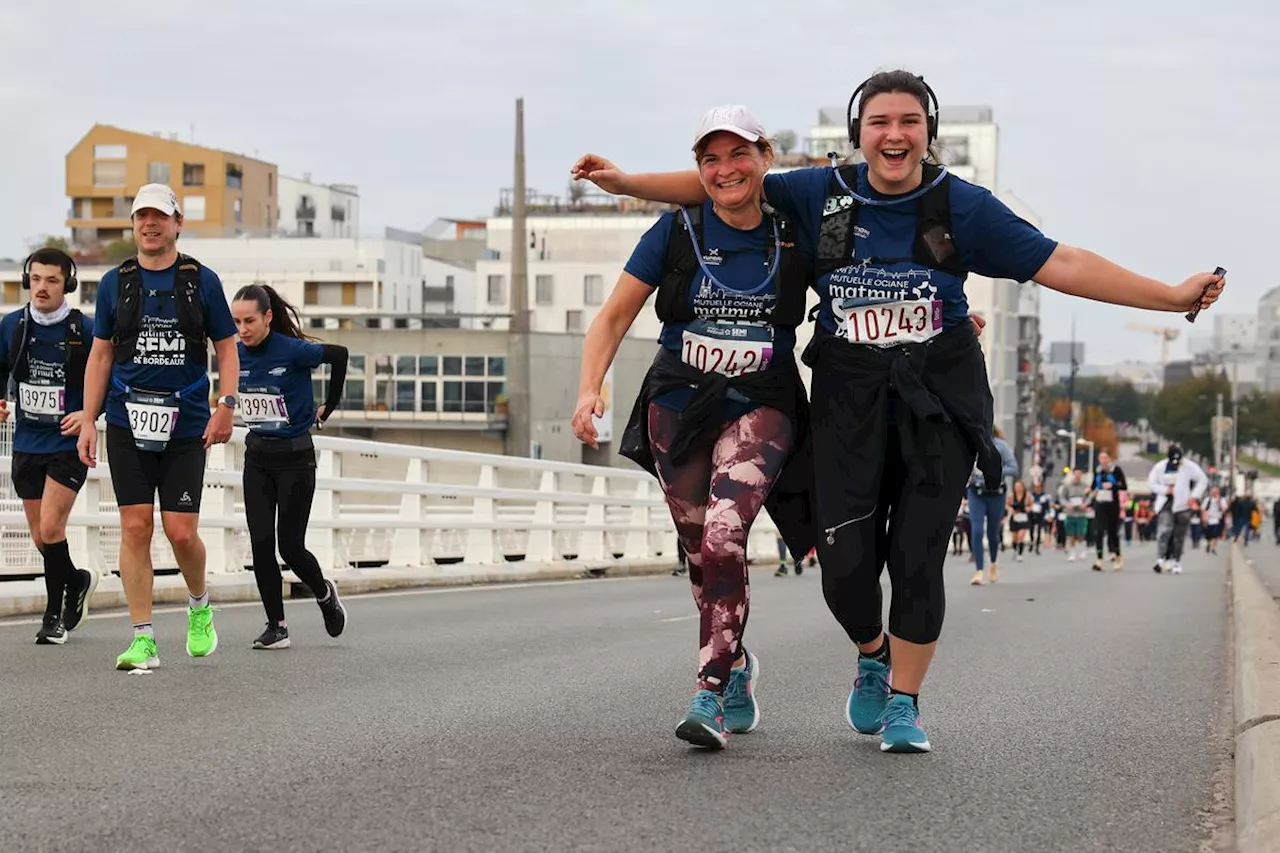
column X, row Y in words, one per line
column 284, row 317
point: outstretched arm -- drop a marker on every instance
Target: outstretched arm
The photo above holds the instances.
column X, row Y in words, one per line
column 1079, row 272
column 669, row 187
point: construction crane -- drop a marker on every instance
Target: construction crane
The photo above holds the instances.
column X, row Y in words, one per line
column 1166, row 334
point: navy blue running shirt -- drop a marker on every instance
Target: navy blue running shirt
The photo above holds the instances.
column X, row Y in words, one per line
column 46, row 359
column 990, row 239
column 161, row 360
column 276, row 399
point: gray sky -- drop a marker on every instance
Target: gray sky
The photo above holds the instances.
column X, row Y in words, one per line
column 1130, row 126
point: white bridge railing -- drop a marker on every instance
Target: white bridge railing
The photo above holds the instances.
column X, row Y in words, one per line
column 388, row 504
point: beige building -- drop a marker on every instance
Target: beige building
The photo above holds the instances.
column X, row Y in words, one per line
column 222, row 194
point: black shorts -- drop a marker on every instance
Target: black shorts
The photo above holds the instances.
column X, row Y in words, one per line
column 136, row 475
column 28, row 471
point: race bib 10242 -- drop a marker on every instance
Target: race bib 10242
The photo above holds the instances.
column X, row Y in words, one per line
column 889, row 324
column 727, row 348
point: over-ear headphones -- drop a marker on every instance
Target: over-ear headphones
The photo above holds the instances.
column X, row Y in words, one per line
column 72, row 281
column 931, row 120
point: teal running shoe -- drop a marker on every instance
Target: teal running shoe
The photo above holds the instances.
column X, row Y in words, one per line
column 741, row 711
column 704, row 724
column 903, row 731
column 869, row 696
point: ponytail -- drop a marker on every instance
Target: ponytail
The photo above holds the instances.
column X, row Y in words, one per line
column 284, row 317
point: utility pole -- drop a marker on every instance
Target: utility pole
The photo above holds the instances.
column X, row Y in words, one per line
column 1071, row 394
column 1235, row 416
column 519, row 432
column 1217, row 439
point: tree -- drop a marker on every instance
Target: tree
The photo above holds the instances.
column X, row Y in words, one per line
column 1117, row 397
column 577, row 191
column 1183, row 411
column 786, row 140
column 1099, row 429
column 49, row 241
column 117, row 250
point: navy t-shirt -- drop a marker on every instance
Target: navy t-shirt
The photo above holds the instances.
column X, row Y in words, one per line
column 160, row 363
column 739, row 260
column 46, row 360
column 275, row 385
column 990, row 240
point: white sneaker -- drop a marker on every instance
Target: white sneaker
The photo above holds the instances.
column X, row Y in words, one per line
column 1177, row 568
column 1071, row 556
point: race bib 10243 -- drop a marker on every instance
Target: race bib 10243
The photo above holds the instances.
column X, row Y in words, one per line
column 889, row 324
column 727, row 348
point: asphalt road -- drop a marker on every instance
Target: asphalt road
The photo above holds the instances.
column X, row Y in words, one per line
column 1068, row 711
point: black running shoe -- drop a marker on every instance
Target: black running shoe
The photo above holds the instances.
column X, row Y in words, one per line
column 335, row 614
column 52, row 632
column 77, row 602
column 799, row 567
column 275, row 637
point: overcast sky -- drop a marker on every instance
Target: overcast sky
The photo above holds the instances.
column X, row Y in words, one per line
column 1141, row 129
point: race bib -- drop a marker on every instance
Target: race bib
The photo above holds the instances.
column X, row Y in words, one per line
column 152, row 418
column 1169, row 479
column 1103, row 497
column 1020, row 517
column 42, row 403
column 890, row 324
column 727, row 348
column 263, row 408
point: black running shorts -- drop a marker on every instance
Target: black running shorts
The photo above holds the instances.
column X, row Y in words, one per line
column 28, row 471
column 136, row 475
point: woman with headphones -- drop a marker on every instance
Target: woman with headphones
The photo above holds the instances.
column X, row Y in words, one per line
column 901, row 403
column 721, row 416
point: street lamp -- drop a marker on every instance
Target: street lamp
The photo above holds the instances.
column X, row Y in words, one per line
column 1075, row 442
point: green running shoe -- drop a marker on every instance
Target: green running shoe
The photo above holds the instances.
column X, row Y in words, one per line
column 141, row 654
column 202, row 639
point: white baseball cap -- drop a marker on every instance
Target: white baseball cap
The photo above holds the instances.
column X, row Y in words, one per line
column 157, row 196
column 735, row 118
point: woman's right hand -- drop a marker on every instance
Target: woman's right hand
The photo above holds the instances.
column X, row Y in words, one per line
column 601, row 172
column 589, row 406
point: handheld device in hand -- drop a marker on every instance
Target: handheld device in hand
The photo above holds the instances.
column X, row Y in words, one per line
column 1194, row 312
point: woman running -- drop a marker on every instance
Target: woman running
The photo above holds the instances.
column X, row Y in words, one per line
column 722, row 407
column 278, row 407
column 987, row 499
column 901, row 402
column 1020, row 507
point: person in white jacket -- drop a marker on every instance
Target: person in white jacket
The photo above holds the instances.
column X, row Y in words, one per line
column 1174, row 482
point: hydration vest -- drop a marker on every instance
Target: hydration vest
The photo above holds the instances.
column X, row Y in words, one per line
column 680, row 267
column 190, row 310
column 77, row 352
column 934, row 245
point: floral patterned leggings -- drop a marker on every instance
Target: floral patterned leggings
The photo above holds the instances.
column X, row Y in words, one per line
column 714, row 496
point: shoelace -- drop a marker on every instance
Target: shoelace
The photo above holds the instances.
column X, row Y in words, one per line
column 871, row 685
column 737, row 689
column 705, row 703
column 900, row 714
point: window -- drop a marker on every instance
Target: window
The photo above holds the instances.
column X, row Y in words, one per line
column 88, row 292
column 497, row 365
column 311, row 293
column 159, row 173
column 270, row 183
column 452, row 397
column 954, row 150
column 235, row 177
column 544, row 288
column 193, row 174
column 108, row 173
column 573, row 321
column 11, row 295
column 428, row 365
column 473, row 365
column 452, row 365
column 110, row 152
column 236, row 207
column 497, row 290
column 349, row 293
column 193, row 207
column 592, row 289
column 353, row 394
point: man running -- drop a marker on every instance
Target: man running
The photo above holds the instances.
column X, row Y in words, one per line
column 1175, row 482
column 1072, row 494
column 154, row 318
column 43, row 349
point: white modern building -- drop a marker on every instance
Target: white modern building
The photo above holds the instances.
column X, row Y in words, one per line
column 309, row 209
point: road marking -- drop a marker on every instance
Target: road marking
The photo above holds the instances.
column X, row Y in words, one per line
column 681, row 618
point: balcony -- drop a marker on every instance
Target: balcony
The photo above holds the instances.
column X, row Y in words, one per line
column 305, row 212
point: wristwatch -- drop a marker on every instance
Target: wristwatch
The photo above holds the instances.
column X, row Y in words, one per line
column 228, row 401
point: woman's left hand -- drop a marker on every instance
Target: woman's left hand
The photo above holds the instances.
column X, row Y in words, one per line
column 1188, row 294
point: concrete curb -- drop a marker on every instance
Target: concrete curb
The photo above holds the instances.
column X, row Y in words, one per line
column 1256, row 628
column 27, row 598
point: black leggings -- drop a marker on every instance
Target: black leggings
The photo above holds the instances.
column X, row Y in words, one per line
column 290, row 491
column 1106, row 518
column 909, row 532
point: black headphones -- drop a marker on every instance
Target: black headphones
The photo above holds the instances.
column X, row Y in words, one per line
column 72, row 281
column 931, row 121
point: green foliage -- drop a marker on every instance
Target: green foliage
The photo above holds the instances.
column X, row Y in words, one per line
column 1117, row 397
column 117, row 250
column 1184, row 410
